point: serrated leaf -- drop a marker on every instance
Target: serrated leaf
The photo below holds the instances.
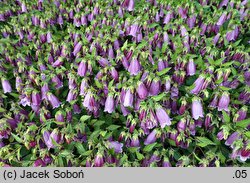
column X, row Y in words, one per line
column 224, row 88
column 80, row 148
column 123, row 159
column 87, row 153
column 2, row 109
column 18, row 139
column 159, row 97
column 153, row 25
column 243, row 123
column 149, row 147
column 113, row 127
column 219, row 61
column 203, row 142
column 247, row 134
column 84, row 118
column 164, row 71
column 226, row 117
column 139, row 156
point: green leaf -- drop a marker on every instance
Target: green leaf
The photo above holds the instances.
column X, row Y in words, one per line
column 224, row 88
column 247, row 134
column 123, row 159
column 65, row 153
column 87, row 153
column 218, row 62
column 80, row 148
column 153, row 25
column 159, row 97
column 226, row 117
column 18, row 139
column 164, row 71
column 113, row 127
column 139, row 156
column 243, row 123
column 2, row 109
column 203, row 142
column 149, row 147
column 84, row 118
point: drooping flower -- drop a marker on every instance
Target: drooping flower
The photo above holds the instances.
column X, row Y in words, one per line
column 89, row 101
column 162, row 117
column 234, row 136
column 36, row 98
column 109, row 104
column 241, row 114
column 133, row 30
column 224, row 102
column 82, row 68
column 134, row 67
column 128, row 99
column 181, row 125
column 222, row 19
column 197, row 110
column 151, row 138
column 99, row 162
column 116, row 146
column 191, row 69
column 77, row 48
column 59, row 116
column 131, row 5
column 155, row 87
column 6, row 86
column 53, row 100
column 142, row 90
column 198, row 85
column 244, row 154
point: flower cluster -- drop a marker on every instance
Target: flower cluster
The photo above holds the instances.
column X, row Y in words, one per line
column 124, row 83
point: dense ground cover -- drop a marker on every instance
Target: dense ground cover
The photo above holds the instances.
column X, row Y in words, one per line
column 124, row 83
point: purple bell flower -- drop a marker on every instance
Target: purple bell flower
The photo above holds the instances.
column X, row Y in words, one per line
column 77, row 48
column 220, row 135
column 6, row 86
column 142, row 90
column 82, row 69
column 99, row 162
column 83, row 87
column 163, row 117
column 59, row 116
column 109, row 104
column 224, row 102
column 128, row 99
column 133, row 30
column 198, row 85
column 53, row 100
column 155, row 87
column 134, row 67
column 241, row 114
column 222, row 19
column 151, row 138
column 131, row 5
column 234, row 136
column 197, row 110
column 135, row 142
column 116, row 146
column 191, row 21
column 39, row 163
column 36, row 98
column 191, row 69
